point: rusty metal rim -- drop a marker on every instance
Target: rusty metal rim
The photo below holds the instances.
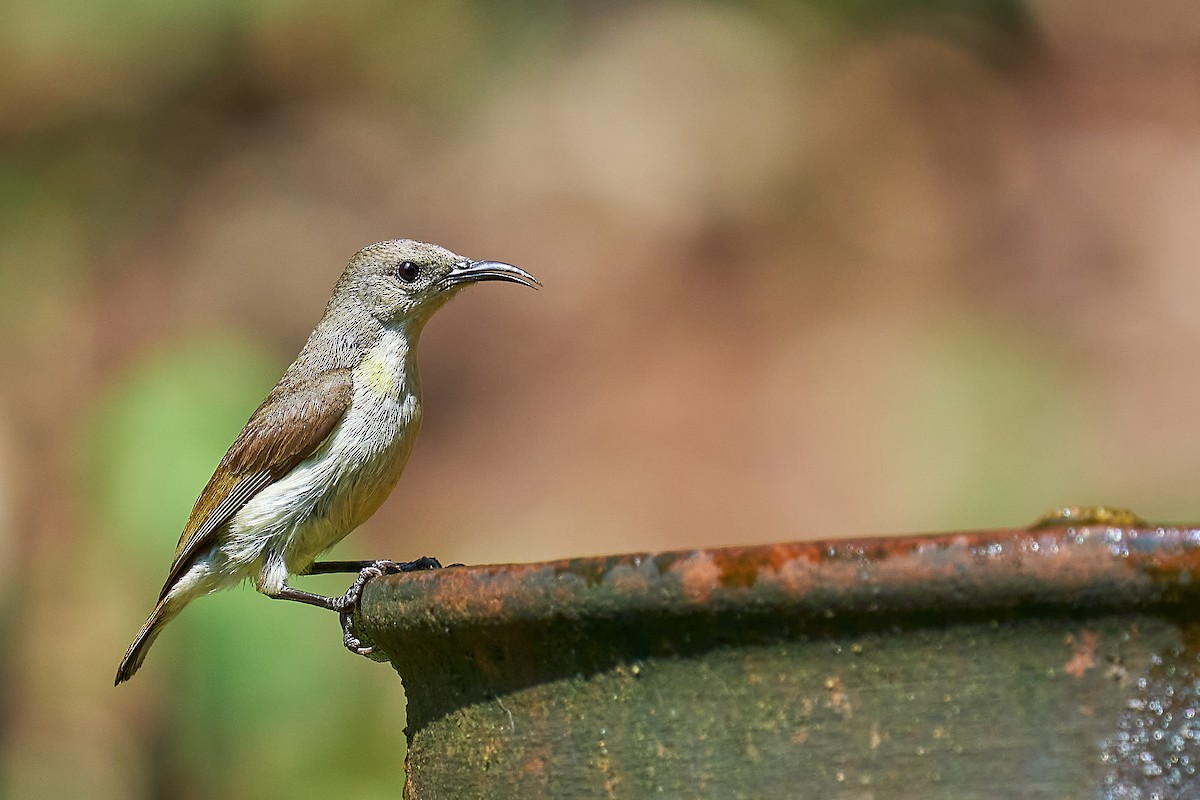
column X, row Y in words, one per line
column 1096, row 566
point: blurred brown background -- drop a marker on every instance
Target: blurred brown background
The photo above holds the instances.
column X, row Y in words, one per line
column 814, row 269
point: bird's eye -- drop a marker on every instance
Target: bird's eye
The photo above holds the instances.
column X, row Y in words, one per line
column 408, row 271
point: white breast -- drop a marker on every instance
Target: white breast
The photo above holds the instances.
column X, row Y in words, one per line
column 288, row 524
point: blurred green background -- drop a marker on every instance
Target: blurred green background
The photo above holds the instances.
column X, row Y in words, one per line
column 811, row 269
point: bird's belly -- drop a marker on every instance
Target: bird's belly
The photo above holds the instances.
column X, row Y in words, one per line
column 340, row 510
column 288, row 524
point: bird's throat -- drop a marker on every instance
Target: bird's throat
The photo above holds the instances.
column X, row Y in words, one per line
column 389, row 368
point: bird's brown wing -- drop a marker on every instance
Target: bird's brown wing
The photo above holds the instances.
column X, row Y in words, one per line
column 286, row 429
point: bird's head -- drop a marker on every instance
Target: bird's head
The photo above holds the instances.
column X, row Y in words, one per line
column 403, row 281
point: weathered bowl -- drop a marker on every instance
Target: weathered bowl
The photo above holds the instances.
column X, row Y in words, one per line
column 1057, row 662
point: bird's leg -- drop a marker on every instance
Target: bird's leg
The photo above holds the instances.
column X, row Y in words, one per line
column 318, row 600
column 347, row 603
column 343, row 605
column 386, row 567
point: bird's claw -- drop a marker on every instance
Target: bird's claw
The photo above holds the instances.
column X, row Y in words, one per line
column 348, row 603
column 352, row 642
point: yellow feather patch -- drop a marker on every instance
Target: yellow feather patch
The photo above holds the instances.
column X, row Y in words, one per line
column 378, row 370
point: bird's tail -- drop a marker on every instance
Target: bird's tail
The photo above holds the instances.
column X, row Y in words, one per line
column 164, row 612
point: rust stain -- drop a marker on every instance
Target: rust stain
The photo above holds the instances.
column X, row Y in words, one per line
column 738, row 569
column 1084, row 656
column 699, row 575
column 796, row 576
column 838, row 700
column 535, row 762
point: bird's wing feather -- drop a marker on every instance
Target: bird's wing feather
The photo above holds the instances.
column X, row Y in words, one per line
column 286, row 429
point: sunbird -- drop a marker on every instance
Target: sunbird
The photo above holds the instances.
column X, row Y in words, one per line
column 327, row 445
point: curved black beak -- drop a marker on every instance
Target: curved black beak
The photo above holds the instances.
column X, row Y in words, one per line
column 474, row 271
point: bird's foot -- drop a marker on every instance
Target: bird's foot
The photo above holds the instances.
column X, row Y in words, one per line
column 348, row 603
column 387, row 567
